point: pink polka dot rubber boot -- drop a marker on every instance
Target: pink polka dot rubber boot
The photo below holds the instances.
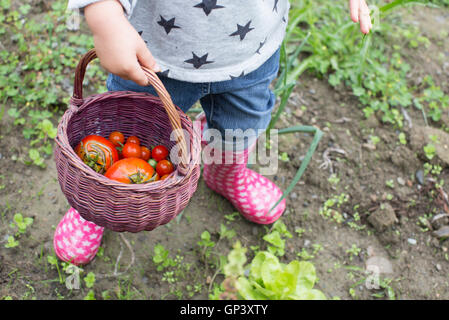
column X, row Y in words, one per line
column 252, row 194
column 76, row 240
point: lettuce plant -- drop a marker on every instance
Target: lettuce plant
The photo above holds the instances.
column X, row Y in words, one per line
column 266, row 278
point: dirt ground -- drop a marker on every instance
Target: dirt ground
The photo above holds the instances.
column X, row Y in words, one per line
column 413, row 262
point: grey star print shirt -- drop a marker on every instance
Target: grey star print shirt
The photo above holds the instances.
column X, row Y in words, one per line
column 207, row 40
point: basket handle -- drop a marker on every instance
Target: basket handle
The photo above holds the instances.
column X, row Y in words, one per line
column 164, row 96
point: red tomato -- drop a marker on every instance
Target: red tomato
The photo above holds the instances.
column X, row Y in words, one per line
column 159, row 153
column 117, row 138
column 131, row 150
column 165, row 176
column 164, row 167
column 130, row 170
column 146, row 153
column 97, row 152
column 133, row 139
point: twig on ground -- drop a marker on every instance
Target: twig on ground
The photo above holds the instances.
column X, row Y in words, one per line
column 327, row 161
column 116, row 273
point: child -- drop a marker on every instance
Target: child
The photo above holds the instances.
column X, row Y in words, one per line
column 223, row 53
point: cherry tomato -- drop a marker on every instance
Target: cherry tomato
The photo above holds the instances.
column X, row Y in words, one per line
column 165, row 176
column 146, row 153
column 159, row 153
column 131, row 150
column 164, row 167
column 133, row 139
column 117, row 138
column 130, row 170
column 97, row 152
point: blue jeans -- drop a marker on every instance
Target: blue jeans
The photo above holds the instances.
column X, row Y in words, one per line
column 244, row 102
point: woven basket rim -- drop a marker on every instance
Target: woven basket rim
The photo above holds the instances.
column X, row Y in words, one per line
column 156, row 186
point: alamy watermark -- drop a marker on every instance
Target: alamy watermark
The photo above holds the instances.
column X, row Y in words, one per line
column 234, row 146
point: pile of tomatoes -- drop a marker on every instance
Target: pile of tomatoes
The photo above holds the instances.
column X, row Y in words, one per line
column 125, row 161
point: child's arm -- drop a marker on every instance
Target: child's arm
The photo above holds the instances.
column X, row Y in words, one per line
column 118, row 45
column 360, row 13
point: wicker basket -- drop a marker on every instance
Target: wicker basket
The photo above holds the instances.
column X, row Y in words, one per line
column 114, row 205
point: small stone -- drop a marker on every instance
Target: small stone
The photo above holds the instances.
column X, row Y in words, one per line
column 383, row 218
column 411, row 241
column 1, row 156
column 299, row 113
column 312, row 91
column 401, row 181
column 438, row 266
column 442, row 233
column 306, row 243
column 369, row 146
column 440, row 220
column 420, row 176
column 293, row 195
column 435, row 242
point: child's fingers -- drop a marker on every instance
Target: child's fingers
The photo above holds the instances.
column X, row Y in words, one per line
column 354, row 9
column 364, row 17
column 136, row 74
column 146, row 59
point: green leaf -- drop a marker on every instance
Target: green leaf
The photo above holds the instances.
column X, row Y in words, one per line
column 247, row 291
column 12, row 242
column 13, row 113
column 269, row 270
column 275, row 239
column 90, row 295
column 236, row 261
column 48, row 128
column 90, row 279
column 34, row 154
column 312, row 294
column 160, row 254
column 285, row 281
column 306, row 276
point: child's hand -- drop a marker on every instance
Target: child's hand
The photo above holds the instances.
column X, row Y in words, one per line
column 119, row 47
column 360, row 13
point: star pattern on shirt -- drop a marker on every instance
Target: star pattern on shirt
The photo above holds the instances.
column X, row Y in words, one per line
column 242, row 31
column 140, row 34
column 261, row 44
column 239, row 76
column 275, row 7
column 197, row 62
column 168, row 22
column 208, row 6
column 168, row 25
column 164, row 73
